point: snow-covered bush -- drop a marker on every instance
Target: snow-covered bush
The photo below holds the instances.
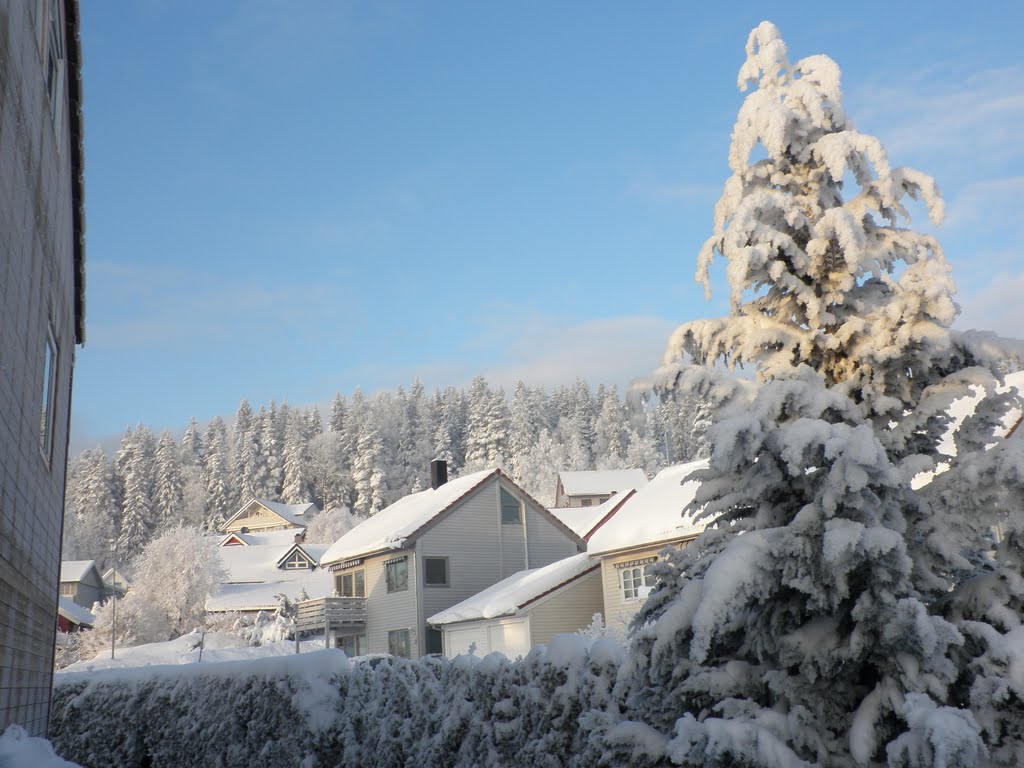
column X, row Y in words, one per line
column 324, row 710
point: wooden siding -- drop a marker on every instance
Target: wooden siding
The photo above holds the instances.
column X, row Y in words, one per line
column 618, row 611
column 548, row 542
column 386, row 612
column 568, row 610
column 468, row 537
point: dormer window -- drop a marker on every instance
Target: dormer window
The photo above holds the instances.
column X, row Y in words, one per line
column 296, row 562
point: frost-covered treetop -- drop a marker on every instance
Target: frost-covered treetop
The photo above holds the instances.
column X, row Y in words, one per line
column 818, row 275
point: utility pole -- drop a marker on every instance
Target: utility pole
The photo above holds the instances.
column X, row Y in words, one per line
column 113, row 602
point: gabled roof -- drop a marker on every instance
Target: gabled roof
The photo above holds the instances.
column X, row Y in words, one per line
column 654, row 514
column 76, row 570
column 600, row 482
column 313, row 559
column 258, row 560
column 398, row 525
column 293, row 514
column 518, row 591
column 75, row 613
column 233, row 539
column 585, row 520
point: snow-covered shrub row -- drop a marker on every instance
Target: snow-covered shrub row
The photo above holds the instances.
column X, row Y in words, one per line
column 319, row 709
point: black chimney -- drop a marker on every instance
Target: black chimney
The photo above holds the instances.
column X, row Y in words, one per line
column 438, row 473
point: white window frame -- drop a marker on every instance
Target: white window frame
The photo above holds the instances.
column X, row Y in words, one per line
column 296, row 562
column 636, row 582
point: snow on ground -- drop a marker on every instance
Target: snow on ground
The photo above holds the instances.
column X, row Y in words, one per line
column 18, row 749
column 508, row 595
column 217, row 647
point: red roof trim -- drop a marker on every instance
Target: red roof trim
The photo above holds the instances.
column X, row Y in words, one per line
column 611, row 513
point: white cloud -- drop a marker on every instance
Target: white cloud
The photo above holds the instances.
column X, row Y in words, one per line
column 997, row 306
column 936, row 116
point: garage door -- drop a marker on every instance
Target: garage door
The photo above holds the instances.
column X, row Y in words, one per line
column 511, row 638
column 458, row 641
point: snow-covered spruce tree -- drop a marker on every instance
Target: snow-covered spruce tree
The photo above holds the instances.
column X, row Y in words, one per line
column 168, row 483
column 811, row 623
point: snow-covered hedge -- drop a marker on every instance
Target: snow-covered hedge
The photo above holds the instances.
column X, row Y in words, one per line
column 319, row 709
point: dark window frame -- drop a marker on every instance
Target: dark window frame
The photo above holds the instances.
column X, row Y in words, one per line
column 426, row 572
column 504, row 506
column 48, row 408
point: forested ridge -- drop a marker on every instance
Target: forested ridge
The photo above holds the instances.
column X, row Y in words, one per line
column 365, row 453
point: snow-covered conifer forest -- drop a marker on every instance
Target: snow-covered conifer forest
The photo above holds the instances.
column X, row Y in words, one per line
column 856, row 597
column 366, row 454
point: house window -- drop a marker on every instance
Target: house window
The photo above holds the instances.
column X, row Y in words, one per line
column 68, row 590
column 585, row 503
column 435, row 571
column 435, row 642
column 54, row 59
column 396, row 573
column 352, row 645
column 296, row 562
column 49, row 396
column 351, row 584
column 398, row 643
column 511, row 508
column 637, row 582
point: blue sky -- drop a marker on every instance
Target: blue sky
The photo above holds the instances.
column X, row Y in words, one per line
column 285, row 200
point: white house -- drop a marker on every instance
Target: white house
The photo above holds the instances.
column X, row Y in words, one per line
column 262, row 515
column 634, row 536
column 594, row 487
column 263, row 565
column 431, row 550
column 526, row 609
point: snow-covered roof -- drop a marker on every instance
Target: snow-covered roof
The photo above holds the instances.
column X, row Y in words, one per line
column 394, row 525
column 258, row 562
column 583, row 520
column 295, row 514
column 602, row 481
column 654, row 514
column 75, row 613
column 517, row 591
column 115, row 578
column 75, row 570
column 262, row 596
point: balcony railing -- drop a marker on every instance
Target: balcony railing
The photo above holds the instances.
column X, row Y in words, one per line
column 331, row 613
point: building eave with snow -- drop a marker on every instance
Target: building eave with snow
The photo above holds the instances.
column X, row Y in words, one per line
column 526, row 609
column 433, row 549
